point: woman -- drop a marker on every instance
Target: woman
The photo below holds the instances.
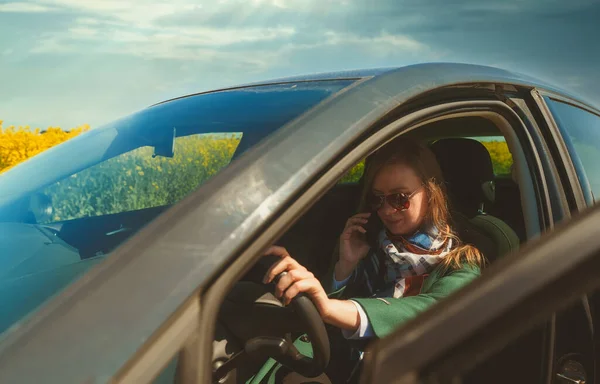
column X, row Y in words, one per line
column 410, row 258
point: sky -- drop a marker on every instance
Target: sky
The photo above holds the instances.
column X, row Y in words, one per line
column 72, row 62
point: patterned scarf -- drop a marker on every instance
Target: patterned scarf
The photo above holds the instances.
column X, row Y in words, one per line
column 406, row 257
column 398, row 265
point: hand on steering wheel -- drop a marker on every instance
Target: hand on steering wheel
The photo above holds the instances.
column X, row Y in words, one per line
column 296, row 280
column 293, row 283
column 296, row 286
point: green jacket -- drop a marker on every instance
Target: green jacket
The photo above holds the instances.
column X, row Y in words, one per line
column 387, row 314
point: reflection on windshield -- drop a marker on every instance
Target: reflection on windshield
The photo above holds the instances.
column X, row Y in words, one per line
column 137, row 179
column 63, row 211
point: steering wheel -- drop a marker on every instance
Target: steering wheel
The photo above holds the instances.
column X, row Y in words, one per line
column 282, row 349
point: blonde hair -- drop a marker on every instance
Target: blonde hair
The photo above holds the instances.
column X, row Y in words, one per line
column 421, row 159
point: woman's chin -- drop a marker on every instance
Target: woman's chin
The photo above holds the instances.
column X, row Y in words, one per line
column 397, row 229
column 401, row 228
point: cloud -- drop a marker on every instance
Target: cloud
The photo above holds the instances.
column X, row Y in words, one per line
column 250, row 49
column 385, row 39
column 333, row 44
column 195, row 44
column 151, row 29
column 297, row 5
column 201, row 36
column 137, row 13
column 83, row 32
column 251, row 46
column 24, row 8
column 142, row 13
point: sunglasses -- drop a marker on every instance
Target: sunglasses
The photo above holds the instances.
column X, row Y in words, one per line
column 399, row 201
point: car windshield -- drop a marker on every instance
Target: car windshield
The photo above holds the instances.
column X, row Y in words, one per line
column 64, row 210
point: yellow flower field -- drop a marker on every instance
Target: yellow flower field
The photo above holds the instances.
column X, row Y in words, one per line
column 20, row 143
column 501, row 157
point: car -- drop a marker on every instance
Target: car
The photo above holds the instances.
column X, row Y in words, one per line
column 120, row 245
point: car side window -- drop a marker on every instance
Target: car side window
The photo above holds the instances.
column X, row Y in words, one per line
column 496, row 145
column 354, row 174
column 581, row 132
column 501, row 157
column 138, row 179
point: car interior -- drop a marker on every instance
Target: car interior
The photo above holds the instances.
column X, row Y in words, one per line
column 486, row 211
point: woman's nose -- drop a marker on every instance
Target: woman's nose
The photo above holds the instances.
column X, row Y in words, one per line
column 387, row 209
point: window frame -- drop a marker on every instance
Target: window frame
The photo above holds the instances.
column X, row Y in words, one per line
column 578, row 163
column 571, row 167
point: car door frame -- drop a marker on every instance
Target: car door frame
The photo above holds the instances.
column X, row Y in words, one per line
column 570, row 167
column 215, row 294
column 573, row 167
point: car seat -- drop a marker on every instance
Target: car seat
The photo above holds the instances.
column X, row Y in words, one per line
column 469, row 175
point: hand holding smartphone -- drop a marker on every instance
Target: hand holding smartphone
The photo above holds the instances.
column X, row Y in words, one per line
column 359, row 235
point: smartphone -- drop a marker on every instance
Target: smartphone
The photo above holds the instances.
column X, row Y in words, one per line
column 373, row 228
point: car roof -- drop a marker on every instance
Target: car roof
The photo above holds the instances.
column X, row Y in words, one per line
column 461, row 74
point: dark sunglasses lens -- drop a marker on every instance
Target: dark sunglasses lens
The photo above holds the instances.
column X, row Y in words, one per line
column 399, row 201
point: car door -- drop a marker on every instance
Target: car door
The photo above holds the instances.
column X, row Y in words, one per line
column 576, row 128
column 453, row 339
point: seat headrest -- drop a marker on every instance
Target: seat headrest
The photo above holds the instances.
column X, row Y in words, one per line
column 468, row 171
